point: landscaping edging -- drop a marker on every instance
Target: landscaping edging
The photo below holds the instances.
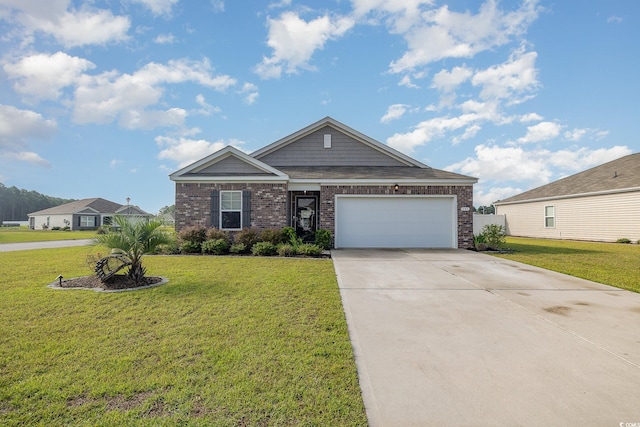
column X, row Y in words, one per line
column 56, row 285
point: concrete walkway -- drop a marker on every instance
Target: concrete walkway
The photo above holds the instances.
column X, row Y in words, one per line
column 9, row 247
column 453, row 337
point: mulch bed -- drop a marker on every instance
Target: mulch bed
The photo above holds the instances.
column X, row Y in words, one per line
column 116, row 282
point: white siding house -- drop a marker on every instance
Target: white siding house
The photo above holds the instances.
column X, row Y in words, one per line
column 85, row 214
column 599, row 204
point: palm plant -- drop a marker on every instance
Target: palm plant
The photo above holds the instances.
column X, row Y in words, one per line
column 134, row 239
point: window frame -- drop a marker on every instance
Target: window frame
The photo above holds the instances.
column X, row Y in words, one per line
column 550, row 217
column 83, row 221
column 222, row 210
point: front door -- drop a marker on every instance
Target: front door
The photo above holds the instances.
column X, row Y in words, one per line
column 306, row 217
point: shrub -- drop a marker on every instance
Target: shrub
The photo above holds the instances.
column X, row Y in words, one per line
column 623, row 240
column 193, row 234
column 56, row 228
column 190, row 247
column 309, row 249
column 66, row 228
column 288, row 234
column 271, row 236
column 323, row 239
column 495, row 235
column 238, row 248
column 216, row 234
column 248, row 237
column 168, row 249
column 264, row 249
column 480, row 242
column 215, row 247
column 286, row 249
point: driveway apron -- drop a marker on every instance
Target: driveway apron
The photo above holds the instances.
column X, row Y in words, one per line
column 454, row 337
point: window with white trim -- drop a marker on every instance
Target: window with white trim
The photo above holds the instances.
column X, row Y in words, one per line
column 87, row 221
column 549, row 216
column 231, row 210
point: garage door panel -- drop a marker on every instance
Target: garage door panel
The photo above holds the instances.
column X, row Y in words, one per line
column 395, row 222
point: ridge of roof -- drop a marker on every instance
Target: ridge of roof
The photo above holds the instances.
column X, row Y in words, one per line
column 613, row 176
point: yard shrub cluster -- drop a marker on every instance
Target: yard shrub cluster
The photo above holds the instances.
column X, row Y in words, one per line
column 269, row 242
column 493, row 237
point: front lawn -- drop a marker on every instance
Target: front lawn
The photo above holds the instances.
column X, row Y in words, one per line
column 23, row 234
column 613, row 264
column 228, row 341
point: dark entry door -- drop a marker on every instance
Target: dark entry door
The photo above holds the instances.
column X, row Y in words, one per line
column 306, row 217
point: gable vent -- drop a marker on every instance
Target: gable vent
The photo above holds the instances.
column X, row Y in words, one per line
column 327, row 140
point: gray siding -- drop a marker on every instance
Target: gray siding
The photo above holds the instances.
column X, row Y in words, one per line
column 231, row 166
column 344, row 151
column 599, row 218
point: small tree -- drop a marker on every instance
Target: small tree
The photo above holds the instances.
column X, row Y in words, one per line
column 135, row 239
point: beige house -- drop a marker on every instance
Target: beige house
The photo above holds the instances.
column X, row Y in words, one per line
column 599, row 204
column 85, row 214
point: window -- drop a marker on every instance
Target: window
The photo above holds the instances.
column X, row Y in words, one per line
column 549, row 216
column 106, row 220
column 87, row 221
column 231, row 210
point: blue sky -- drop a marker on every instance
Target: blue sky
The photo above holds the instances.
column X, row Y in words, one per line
column 106, row 98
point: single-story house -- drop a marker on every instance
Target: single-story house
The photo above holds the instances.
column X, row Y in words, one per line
column 599, row 204
column 85, row 214
column 332, row 177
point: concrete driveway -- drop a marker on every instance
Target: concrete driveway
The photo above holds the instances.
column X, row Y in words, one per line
column 10, row 247
column 454, row 337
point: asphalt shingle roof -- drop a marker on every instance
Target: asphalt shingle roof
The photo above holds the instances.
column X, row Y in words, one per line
column 367, row 172
column 616, row 175
column 101, row 205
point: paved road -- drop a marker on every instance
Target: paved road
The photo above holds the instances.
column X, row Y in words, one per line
column 453, row 337
column 8, row 247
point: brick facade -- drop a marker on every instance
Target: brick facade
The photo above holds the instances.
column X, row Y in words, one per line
column 269, row 204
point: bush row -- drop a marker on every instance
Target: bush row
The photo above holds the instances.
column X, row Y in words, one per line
column 269, row 242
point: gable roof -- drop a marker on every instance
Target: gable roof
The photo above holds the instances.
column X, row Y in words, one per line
column 93, row 205
column 329, row 121
column 253, row 168
column 618, row 175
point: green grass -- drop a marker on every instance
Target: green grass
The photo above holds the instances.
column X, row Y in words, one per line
column 613, row 264
column 227, row 342
column 23, row 234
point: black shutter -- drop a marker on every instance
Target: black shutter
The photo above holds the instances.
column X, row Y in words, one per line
column 215, row 209
column 246, row 208
column 79, row 221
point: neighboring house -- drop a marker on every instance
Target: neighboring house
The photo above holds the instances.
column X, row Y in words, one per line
column 83, row 214
column 600, row 204
column 329, row 176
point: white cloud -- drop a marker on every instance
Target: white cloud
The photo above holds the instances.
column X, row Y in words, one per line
column 495, row 165
column 29, row 157
column 543, row 131
column 394, row 112
column 442, row 33
column 69, row 27
column 158, row 7
column 614, row 20
column 165, row 39
column 17, row 126
column 295, row 40
column 206, row 108
column 516, row 76
column 530, row 117
column 109, row 96
column 446, row 81
column 43, row 76
column 185, row 151
column 408, row 82
column 251, row 93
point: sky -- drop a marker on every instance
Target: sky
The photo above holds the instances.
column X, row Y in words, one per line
column 107, row 98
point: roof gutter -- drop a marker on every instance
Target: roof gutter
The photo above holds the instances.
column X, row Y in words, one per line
column 570, row 196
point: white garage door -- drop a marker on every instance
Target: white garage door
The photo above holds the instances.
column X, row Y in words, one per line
column 395, row 222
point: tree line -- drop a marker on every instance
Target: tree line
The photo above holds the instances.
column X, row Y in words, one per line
column 16, row 204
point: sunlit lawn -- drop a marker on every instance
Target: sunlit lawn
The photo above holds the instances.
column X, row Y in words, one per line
column 227, row 342
column 613, row 264
column 23, row 234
